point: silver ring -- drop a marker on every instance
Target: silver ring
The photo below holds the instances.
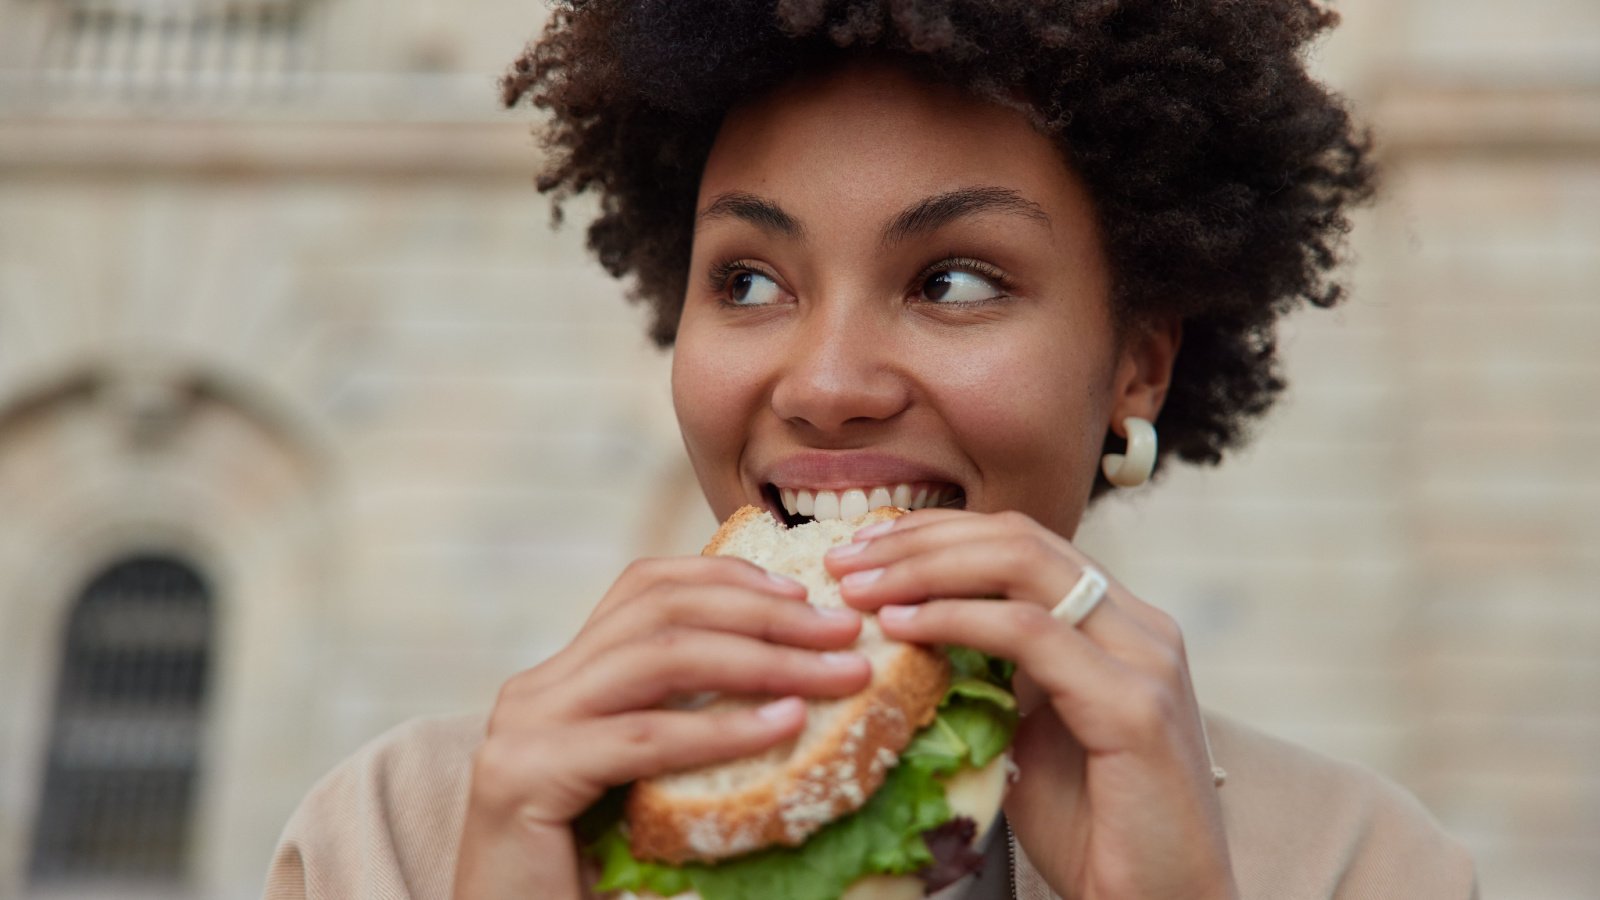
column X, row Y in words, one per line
column 1082, row 599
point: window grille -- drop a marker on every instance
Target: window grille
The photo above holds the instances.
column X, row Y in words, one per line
column 166, row 51
column 125, row 741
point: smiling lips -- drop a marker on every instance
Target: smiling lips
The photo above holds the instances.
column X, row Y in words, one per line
column 852, row 502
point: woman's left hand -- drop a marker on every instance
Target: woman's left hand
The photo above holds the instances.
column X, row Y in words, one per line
column 1116, row 797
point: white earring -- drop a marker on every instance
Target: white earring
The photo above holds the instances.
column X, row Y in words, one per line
column 1133, row 468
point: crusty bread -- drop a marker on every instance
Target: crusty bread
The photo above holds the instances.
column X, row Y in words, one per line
column 838, row 761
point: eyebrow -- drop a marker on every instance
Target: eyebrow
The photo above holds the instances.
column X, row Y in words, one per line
column 758, row 211
column 932, row 213
column 923, row 217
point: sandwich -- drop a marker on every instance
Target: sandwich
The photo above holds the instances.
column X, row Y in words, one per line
column 887, row 793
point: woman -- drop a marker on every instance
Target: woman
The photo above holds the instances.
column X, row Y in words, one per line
column 974, row 246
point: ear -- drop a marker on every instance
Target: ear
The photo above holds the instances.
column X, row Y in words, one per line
column 1144, row 371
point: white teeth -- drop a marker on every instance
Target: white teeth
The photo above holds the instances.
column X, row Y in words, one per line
column 853, row 502
column 902, row 496
column 827, row 505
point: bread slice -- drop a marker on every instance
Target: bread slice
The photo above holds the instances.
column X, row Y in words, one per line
column 785, row 794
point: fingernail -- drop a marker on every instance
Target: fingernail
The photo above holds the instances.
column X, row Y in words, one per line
column 900, row 614
column 861, row 579
column 787, row 583
column 842, row 658
column 838, row 613
column 844, row 550
column 873, row 530
column 780, row 710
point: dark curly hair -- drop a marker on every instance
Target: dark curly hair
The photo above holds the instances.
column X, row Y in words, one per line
column 1220, row 171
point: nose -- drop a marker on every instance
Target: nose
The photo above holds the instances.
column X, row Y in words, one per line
column 841, row 370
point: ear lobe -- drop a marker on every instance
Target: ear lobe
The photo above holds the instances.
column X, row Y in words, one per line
column 1149, row 353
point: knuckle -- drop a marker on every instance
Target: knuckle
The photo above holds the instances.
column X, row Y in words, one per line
column 500, row 715
column 667, row 642
column 1170, row 657
column 643, row 738
column 1028, row 552
column 1170, row 668
column 673, row 653
column 519, row 698
column 638, row 731
column 1167, row 628
column 1033, row 623
column 512, row 691
column 1028, row 618
column 642, row 568
column 1148, row 708
column 670, row 603
column 777, row 626
column 498, row 772
column 498, row 720
column 1039, row 549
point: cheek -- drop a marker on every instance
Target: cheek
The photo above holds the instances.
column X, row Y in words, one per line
column 711, row 393
column 1030, row 414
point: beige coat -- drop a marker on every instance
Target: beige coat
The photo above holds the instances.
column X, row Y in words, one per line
column 385, row 824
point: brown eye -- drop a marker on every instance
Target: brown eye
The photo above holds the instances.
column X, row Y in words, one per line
column 747, row 288
column 955, row 286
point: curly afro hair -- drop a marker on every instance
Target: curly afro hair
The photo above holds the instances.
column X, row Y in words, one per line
column 1220, row 171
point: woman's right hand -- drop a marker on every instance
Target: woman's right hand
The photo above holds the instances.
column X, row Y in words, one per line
column 588, row 718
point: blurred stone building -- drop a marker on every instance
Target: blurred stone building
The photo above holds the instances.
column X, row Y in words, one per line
column 309, row 424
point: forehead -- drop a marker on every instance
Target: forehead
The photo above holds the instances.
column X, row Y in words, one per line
column 874, row 133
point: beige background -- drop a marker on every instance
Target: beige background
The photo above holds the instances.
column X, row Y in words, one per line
column 295, row 313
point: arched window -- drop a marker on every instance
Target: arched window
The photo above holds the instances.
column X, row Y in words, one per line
column 124, row 744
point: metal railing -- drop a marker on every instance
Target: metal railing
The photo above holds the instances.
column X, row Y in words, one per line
column 163, row 52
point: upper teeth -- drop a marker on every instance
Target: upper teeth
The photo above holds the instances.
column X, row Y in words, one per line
column 848, row 504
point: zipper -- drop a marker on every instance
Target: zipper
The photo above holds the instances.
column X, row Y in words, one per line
column 1011, row 860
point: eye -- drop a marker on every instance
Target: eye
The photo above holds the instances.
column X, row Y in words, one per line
column 750, row 288
column 956, row 287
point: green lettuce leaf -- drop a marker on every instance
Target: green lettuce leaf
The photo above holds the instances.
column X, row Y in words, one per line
column 975, row 723
column 970, row 663
column 884, row 836
column 939, row 748
column 986, row 729
column 979, row 689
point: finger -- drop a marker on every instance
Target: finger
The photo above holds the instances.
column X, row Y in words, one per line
column 656, row 741
column 1110, row 705
column 911, row 520
column 1086, row 686
column 731, row 608
column 1020, row 565
column 926, row 530
column 646, row 672
column 729, row 570
column 919, row 517
column 872, row 549
column 1019, row 569
column 553, row 774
